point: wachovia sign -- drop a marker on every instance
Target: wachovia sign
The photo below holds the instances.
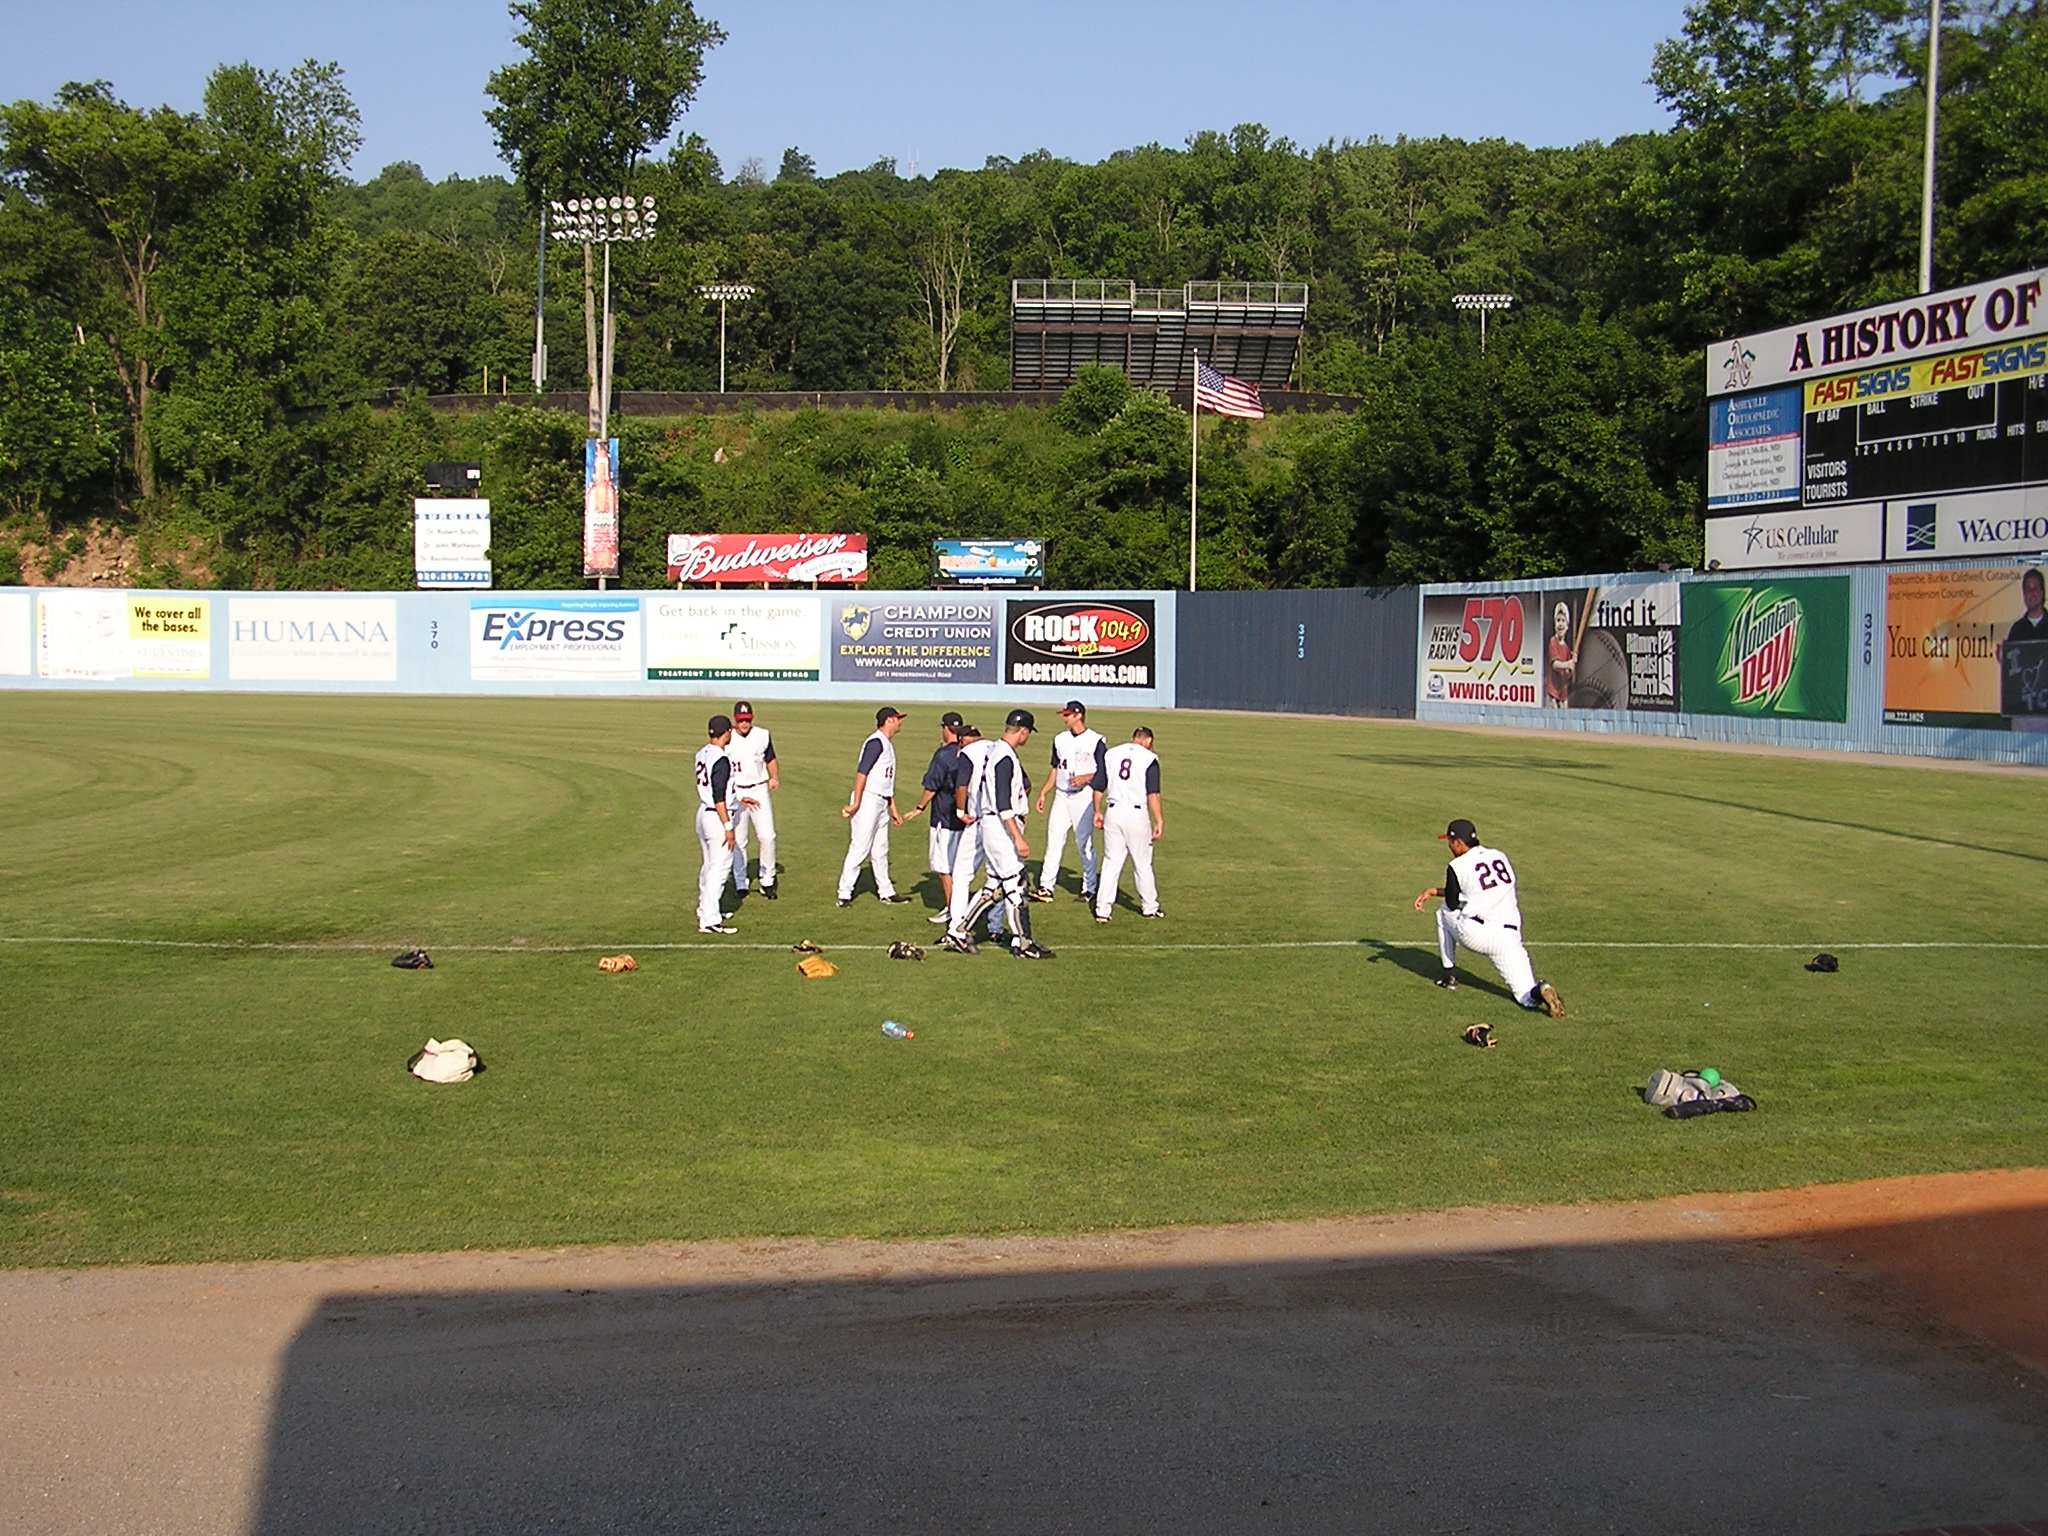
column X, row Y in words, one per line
column 835, row 558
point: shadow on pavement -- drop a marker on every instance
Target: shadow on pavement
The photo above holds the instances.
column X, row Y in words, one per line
column 1667, row 1386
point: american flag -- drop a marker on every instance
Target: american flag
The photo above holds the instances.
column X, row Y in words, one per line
column 1225, row 396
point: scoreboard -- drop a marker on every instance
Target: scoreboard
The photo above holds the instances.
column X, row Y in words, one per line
column 1908, row 432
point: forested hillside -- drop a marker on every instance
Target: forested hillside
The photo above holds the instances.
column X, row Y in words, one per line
column 212, row 341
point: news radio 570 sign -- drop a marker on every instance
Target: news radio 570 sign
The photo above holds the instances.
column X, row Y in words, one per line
column 1081, row 644
column 1481, row 650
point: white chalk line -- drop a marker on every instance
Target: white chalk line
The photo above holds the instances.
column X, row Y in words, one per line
column 231, row 946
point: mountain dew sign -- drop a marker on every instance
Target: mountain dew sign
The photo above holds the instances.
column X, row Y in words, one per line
column 1777, row 649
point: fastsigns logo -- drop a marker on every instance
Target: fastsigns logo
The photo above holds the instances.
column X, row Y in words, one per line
column 1763, row 647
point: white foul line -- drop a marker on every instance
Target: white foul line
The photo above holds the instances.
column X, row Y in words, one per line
column 314, row 947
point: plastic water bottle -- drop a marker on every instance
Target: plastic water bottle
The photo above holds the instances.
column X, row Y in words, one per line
column 896, row 1031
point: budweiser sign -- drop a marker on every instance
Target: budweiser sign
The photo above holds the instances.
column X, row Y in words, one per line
column 745, row 557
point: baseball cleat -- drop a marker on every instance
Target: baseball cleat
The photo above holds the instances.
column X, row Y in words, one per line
column 1551, row 1005
column 846, row 901
column 715, row 928
column 1043, row 893
column 894, row 901
column 1449, row 982
column 1031, row 949
column 768, row 893
column 960, row 944
column 1151, row 914
column 940, row 917
column 1086, row 898
column 1480, row 1035
column 1101, row 919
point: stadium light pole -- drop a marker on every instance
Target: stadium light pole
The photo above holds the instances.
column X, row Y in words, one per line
column 603, row 221
column 1485, row 303
column 738, row 293
column 1927, row 161
column 540, row 308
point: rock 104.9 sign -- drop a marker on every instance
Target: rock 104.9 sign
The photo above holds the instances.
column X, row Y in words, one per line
column 1481, row 650
column 1075, row 644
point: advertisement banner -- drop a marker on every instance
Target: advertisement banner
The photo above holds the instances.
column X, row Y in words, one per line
column 313, row 639
column 600, row 506
column 554, row 639
column 988, row 563
column 740, row 558
column 1081, row 644
column 101, row 636
column 1986, row 523
column 1999, row 310
column 1766, row 648
column 1481, row 650
column 1965, row 648
column 451, row 543
column 762, row 637
column 1753, row 449
column 916, row 639
column 17, row 634
column 1800, row 536
column 1612, row 647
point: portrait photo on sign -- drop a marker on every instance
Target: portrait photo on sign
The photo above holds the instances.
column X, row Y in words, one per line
column 1612, row 647
column 1966, row 648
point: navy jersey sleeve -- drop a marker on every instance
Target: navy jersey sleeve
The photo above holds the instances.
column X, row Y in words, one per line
column 721, row 776
column 870, row 754
column 1006, row 778
column 769, row 755
column 1055, row 758
column 939, row 776
column 1101, row 767
column 1451, row 895
column 1152, row 778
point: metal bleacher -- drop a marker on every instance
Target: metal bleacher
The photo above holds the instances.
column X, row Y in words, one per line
column 1058, row 324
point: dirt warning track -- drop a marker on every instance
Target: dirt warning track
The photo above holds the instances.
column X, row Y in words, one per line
column 1841, row 1359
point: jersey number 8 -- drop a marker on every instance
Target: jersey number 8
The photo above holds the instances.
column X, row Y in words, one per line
column 1123, row 769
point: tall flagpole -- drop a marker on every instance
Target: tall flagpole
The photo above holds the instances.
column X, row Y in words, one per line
column 1194, row 461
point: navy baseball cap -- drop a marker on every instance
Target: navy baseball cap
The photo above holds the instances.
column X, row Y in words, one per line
column 1022, row 717
column 970, row 730
column 951, row 720
column 1462, row 830
column 1073, row 707
column 743, row 710
column 719, row 726
column 886, row 713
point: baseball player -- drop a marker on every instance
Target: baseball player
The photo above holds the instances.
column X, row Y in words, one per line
column 714, row 824
column 753, row 776
column 1128, row 813
column 872, row 810
column 993, row 805
column 1482, row 912
column 1077, row 758
column 942, row 843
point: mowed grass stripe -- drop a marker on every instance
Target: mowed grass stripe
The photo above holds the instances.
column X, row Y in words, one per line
column 202, row 1050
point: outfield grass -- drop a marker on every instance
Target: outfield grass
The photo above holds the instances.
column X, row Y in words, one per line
column 186, row 1103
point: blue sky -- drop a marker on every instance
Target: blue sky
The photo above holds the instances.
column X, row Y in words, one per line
column 911, row 79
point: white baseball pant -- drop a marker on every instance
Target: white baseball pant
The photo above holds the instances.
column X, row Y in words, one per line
column 869, row 844
column 762, row 821
column 988, row 842
column 1126, row 833
column 1501, row 945
column 717, row 860
column 1071, row 811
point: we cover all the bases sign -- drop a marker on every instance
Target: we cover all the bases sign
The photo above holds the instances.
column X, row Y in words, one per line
column 1777, row 649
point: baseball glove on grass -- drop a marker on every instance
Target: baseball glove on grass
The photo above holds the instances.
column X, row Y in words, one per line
column 805, row 947
column 414, row 960
column 1824, row 962
column 1480, row 1035
column 815, row 966
column 616, row 963
column 906, row 951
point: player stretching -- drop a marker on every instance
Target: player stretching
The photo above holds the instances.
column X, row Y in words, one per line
column 1077, row 755
column 993, row 806
column 1481, row 912
column 714, row 826
column 753, row 776
column 872, row 809
column 1127, row 809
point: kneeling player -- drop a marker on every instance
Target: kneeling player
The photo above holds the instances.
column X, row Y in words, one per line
column 1482, row 912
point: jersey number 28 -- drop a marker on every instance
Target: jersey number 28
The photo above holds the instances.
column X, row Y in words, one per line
column 1495, row 875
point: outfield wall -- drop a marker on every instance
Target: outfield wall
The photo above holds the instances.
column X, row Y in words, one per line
column 1111, row 648
column 1325, row 651
column 1888, row 659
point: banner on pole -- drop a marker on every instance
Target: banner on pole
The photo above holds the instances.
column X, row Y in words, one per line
column 601, row 506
